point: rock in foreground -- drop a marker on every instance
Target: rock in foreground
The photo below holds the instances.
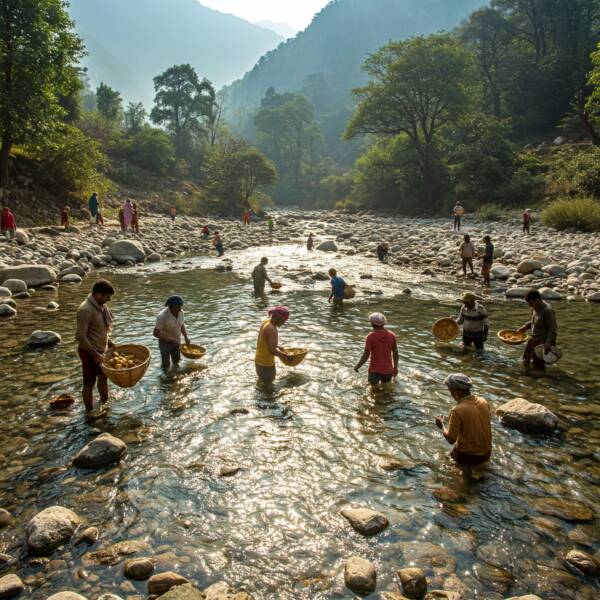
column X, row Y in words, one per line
column 365, row 521
column 360, row 575
column 527, row 417
column 103, row 450
column 413, row 581
column 162, row 582
column 10, row 586
column 51, row 528
column 32, row 275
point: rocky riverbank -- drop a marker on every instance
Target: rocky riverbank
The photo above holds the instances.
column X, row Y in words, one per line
column 564, row 266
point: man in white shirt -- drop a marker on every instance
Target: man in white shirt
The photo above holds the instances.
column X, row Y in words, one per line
column 474, row 319
column 169, row 329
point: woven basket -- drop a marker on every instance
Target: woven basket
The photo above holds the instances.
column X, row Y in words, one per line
column 127, row 378
column 193, row 347
column 445, row 329
column 509, row 336
column 349, row 292
column 297, row 358
column 276, row 286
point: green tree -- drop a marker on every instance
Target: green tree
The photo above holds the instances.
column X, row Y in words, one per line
column 38, row 54
column 183, row 104
column 135, row 117
column 110, row 104
column 417, row 88
column 153, row 150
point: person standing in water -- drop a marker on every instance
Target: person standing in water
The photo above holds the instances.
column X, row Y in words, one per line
column 168, row 330
column 488, row 260
column 267, row 345
column 544, row 329
column 469, row 424
column 260, row 277
column 381, row 347
column 474, row 319
column 94, row 323
column 218, row 244
column 338, row 287
column 310, row 242
column 467, row 253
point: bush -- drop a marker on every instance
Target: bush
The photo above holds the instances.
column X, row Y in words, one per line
column 582, row 214
column 490, row 212
column 576, row 172
column 153, row 150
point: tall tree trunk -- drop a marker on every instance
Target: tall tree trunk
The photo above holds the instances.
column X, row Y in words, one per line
column 4, row 158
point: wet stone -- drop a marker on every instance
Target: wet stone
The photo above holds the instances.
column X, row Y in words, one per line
column 104, row 450
column 10, row 586
column 365, row 521
column 61, row 402
column 162, row 582
column 569, row 510
column 66, row 596
column 50, row 528
column 113, row 555
column 583, row 562
column 360, row 575
column 5, row 518
column 138, row 569
column 413, row 582
column 185, row 591
column 89, row 536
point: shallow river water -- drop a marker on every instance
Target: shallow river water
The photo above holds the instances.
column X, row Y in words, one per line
column 308, row 449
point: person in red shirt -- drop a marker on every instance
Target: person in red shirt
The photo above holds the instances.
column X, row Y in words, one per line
column 526, row 221
column 64, row 217
column 8, row 225
column 382, row 348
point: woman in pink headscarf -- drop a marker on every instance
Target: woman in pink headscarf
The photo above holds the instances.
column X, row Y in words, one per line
column 127, row 214
column 267, row 346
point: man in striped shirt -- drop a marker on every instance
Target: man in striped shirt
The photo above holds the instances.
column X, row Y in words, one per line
column 474, row 320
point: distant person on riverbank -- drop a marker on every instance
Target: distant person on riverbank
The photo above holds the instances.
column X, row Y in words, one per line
column 338, row 287
column 474, row 320
column 382, row 251
column 488, row 260
column 270, row 224
column 246, row 217
column 64, row 217
column 469, row 424
column 526, row 220
column 218, row 244
column 260, row 277
column 127, row 214
column 543, row 327
column 458, row 213
column 205, row 232
column 382, row 349
column 310, row 242
column 122, row 218
column 99, row 217
column 94, row 323
column 267, row 344
column 173, row 213
column 8, row 224
column 135, row 219
column 168, row 330
column 93, row 207
column 467, row 253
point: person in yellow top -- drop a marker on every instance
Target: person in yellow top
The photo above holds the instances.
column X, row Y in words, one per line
column 267, row 345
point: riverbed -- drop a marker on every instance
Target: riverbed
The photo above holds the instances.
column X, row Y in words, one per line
column 310, row 447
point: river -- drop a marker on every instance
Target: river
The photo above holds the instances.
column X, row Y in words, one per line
column 309, row 448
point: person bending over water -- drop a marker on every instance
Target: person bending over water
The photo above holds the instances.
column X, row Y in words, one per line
column 267, row 345
column 260, row 277
column 338, row 287
column 382, row 348
column 469, row 424
column 168, row 329
column 544, row 329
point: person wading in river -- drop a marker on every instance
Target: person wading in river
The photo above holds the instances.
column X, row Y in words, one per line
column 469, row 424
column 218, row 244
column 474, row 319
column 260, row 277
column 488, row 260
column 338, row 287
column 544, row 329
column 168, row 329
column 467, row 252
column 382, row 348
column 310, row 242
column 267, row 345
column 94, row 322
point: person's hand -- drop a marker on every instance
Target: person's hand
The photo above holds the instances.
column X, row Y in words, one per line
column 98, row 358
column 111, row 344
column 439, row 422
column 395, row 372
column 356, row 368
column 329, row 300
column 522, row 329
column 187, row 341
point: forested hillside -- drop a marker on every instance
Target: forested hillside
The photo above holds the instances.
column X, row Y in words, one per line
column 130, row 41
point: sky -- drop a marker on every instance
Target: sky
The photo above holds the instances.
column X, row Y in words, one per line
column 296, row 13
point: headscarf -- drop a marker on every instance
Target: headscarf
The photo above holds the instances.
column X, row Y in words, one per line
column 282, row 312
column 174, row 301
column 377, row 319
column 459, row 381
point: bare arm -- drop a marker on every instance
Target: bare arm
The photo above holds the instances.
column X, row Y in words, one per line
column 185, row 334
column 363, row 359
column 272, row 344
column 396, row 358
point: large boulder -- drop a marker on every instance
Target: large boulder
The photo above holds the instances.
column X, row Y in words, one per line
column 127, row 250
column 10, row 586
column 516, row 292
column 329, row 246
column 50, row 528
column 15, row 285
column 101, row 451
column 32, row 275
column 360, row 575
column 529, row 265
column 44, row 338
column 365, row 521
column 500, row 272
column 527, row 417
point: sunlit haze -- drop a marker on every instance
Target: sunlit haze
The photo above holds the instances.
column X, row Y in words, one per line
column 296, row 13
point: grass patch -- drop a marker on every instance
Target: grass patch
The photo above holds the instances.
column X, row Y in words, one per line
column 581, row 214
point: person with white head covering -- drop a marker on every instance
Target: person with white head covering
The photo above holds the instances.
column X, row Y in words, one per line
column 469, row 424
column 382, row 349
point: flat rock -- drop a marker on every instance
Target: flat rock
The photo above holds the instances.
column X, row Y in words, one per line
column 413, row 581
column 50, row 528
column 10, row 586
column 32, row 275
column 162, row 582
column 568, row 510
column 516, row 292
column 360, row 575
column 101, row 451
column 527, row 416
column 185, row 591
column 66, row 596
column 365, row 521
column 113, row 555
column 44, row 338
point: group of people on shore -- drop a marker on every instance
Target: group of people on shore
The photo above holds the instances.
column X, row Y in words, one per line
column 458, row 213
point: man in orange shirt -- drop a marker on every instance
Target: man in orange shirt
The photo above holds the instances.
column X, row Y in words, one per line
column 469, row 425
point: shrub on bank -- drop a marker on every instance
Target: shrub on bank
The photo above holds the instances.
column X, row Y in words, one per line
column 581, row 214
column 490, row 212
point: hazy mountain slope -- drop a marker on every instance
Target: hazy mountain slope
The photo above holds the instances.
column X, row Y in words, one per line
column 338, row 41
column 131, row 41
column 283, row 29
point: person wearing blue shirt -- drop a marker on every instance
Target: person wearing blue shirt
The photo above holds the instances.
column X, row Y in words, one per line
column 338, row 286
column 488, row 260
column 93, row 204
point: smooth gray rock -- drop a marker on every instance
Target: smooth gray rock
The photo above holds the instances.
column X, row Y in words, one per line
column 32, row 275
column 127, row 250
column 71, row 278
column 5, row 292
column 6, row 310
column 527, row 417
column 103, row 450
column 44, row 338
column 328, row 246
column 529, row 266
column 15, row 285
column 66, row 596
column 365, row 521
column 50, row 528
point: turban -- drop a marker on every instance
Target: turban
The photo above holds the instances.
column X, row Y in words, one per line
column 280, row 311
column 377, row 319
column 458, row 381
